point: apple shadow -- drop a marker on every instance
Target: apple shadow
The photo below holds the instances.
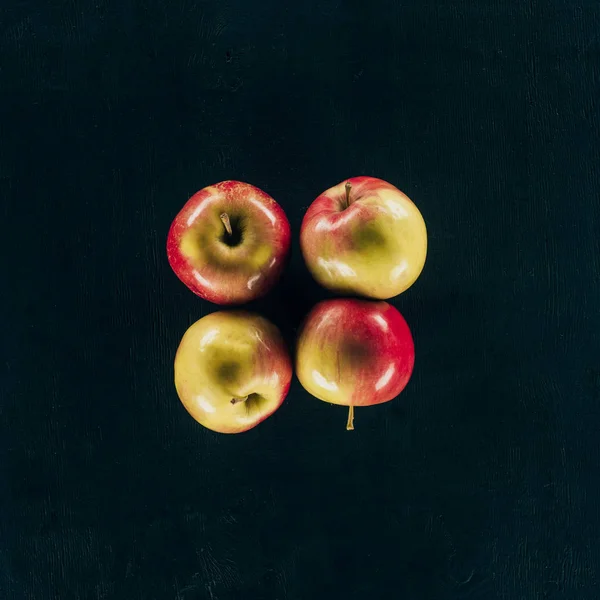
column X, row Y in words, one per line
column 290, row 300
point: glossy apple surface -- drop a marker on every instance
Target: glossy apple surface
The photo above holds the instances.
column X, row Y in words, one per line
column 354, row 352
column 232, row 370
column 229, row 243
column 365, row 237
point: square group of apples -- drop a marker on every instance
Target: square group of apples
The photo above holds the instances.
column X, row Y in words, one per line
column 229, row 245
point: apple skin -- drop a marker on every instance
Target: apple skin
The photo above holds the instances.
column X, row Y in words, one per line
column 227, row 356
column 354, row 352
column 372, row 245
column 215, row 270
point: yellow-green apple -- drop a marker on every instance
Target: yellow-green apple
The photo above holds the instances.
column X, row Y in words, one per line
column 232, row 370
column 229, row 242
column 354, row 352
column 365, row 237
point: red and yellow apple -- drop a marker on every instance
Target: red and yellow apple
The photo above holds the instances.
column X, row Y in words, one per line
column 232, row 370
column 365, row 237
column 229, row 243
column 354, row 353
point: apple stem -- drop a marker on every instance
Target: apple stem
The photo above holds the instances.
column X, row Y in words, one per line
column 348, row 188
column 238, row 400
column 225, row 218
column 350, row 423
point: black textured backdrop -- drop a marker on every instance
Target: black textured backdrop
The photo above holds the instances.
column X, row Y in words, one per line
column 481, row 480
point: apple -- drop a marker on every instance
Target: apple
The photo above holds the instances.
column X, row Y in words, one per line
column 229, row 243
column 232, row 370
column 354, row 352
column 364, row 237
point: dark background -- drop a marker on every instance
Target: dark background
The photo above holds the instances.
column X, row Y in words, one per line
column 481, row 480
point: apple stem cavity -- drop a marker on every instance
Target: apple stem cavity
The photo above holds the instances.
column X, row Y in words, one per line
column 350, row 423
column 225, row 218
column 238, row 400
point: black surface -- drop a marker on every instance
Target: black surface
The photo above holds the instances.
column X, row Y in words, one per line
column 481, row 480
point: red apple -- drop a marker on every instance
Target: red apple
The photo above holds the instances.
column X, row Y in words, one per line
column 354, row 352
column 232, row 370
column 229, row 243
column 365, row 237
